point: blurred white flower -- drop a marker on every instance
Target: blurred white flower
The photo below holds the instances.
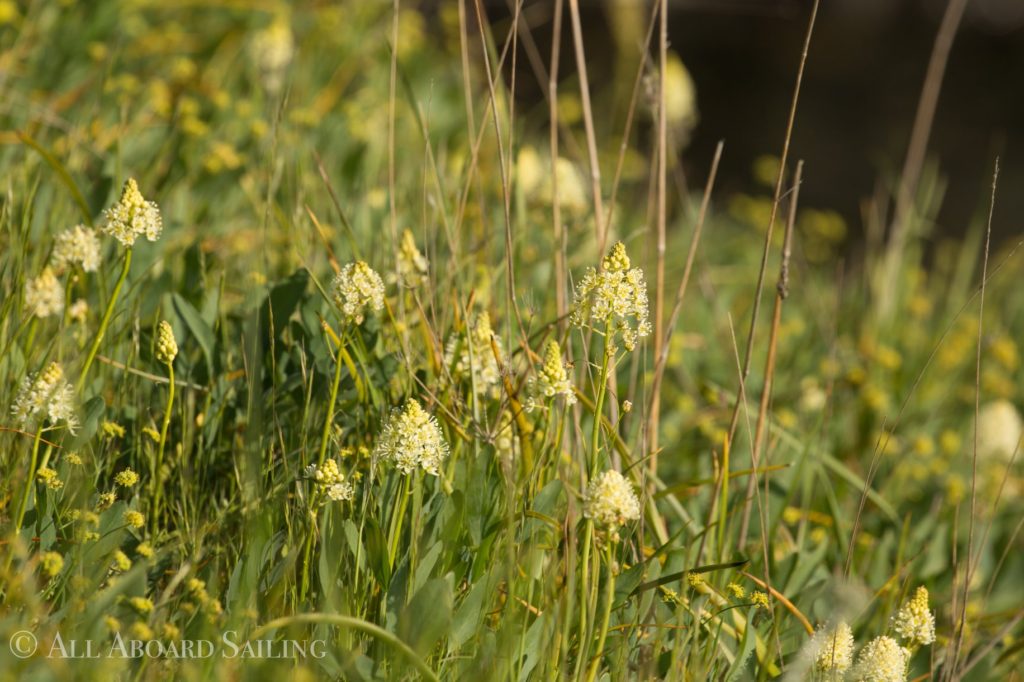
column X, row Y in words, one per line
column 999, row 430
column 610, row 500
column 80, row 246
column 44, row 296
column 45, row 395
column 881, row 660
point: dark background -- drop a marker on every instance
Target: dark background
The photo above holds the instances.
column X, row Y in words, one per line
column 863, row 80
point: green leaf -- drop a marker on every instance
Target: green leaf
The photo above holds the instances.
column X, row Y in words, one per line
column 196, row 326
column 428, row 617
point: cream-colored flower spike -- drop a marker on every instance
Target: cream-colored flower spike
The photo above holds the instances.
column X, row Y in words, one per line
column 881, row 660
column 77, row 246
column 358, row 288
column 832, row 648
column 615, row 297
column 166, row 346
column 132, row 217
column 45, row 395
column 44, row 296
column 610, row 501
column 412, row 438
column 915, row 622
column 552, row 379
column 472, row 355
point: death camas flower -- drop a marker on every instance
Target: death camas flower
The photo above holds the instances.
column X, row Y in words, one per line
column 831, row 648
column 551, row 380
column 77, row 246
column 330, row 482
column 357, row 288
column 272, row 49
column 881, row 660
column 132, row 217
column 166, row 346
column 44, row 296
column 412, row 438
column 471, row 355
column 610, row 500
column 915, row 622
column 45, row 396
column 615, row 297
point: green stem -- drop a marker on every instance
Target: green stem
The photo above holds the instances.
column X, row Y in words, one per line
column 329, row 419
column 397, row 519
column 30, row 482
column 307, row 559
column 588, row 538
column 595, row 439
column 606, row 616
column 94, row 348
column 158, row 468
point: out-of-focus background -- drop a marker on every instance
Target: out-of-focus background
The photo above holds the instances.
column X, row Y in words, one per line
column 867, row 64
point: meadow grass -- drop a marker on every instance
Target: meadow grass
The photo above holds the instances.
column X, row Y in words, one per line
column 395, row 380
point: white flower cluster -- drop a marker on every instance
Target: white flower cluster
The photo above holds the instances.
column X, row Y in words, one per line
column 471, row 355
column 45, row 395
column 615, row 297
column 77, row 246
column 272, row 49
column 552, row 379
column 412, row 438
column 132, row 217
column 881, row 660
column 831, row 649
column 44, row 296
column 610, row 500
column 355, row 288
column 915, row 622
column 330, row 481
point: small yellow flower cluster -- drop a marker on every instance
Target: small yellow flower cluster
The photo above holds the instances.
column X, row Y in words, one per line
column 52, row 563
column 737, row 591
column 112, row 429
column 412, row 265
column 615, row 297
column 760, row 599
column 48, row 477
column 77, row 246
column 412, row 438
column 132, row 217
column 330, row 481
column 552, row 379
column 106, row 501
column 144, row 550
column 134, row 519
column 473, row 357
column 832, row 648
column 121, row 562
column 357, row 287
column 881, row 660
column 610, row 500
column 141, row 604
column 44, row 296
column 166, row 346
column 915, row 622
column 695, row 580
column 46, row 395
column 126, row 478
